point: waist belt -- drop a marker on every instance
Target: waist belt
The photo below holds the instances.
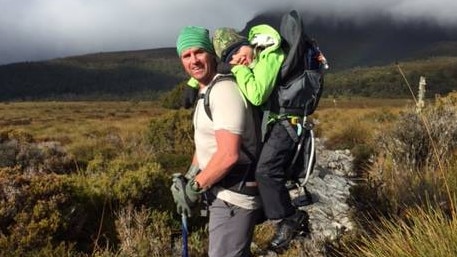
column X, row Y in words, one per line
column 292, row 119
column 240, row 179
column 292, row 124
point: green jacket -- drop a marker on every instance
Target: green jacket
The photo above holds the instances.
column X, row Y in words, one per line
column 257, row 82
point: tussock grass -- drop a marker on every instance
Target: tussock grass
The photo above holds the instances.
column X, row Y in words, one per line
column 412, row 187
column 423, row 231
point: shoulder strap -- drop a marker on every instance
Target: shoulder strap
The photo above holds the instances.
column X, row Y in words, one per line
column 205, row 96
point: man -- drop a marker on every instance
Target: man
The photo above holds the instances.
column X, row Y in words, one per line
column 224, row 146
column 256, row 64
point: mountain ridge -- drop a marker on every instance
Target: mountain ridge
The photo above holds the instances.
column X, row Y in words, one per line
column 346, row 43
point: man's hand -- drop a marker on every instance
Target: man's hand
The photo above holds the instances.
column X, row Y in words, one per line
column 185, row 197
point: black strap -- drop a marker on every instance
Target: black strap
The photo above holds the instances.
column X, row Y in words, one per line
column 205, row 96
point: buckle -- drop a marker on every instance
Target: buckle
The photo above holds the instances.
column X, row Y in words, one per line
column 294, row 120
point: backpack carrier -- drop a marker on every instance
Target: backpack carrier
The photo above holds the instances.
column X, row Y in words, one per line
column 298, row 92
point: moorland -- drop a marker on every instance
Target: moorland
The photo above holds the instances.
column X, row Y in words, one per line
column 88, row 145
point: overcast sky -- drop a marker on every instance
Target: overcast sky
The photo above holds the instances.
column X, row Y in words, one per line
column 33, row 30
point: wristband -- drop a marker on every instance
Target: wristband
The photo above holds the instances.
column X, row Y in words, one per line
column 192, row 172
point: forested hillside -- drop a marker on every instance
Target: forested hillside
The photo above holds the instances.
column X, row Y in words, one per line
column 117, row 75
column 387, row 81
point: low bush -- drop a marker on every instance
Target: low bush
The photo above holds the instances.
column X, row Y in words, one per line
column 408, row 205
column 18, row 149
column 171, row 138
column 33, row 210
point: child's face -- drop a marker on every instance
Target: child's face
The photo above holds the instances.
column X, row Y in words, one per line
column 243, row 56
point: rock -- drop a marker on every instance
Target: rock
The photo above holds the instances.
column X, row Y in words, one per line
column 328, row 190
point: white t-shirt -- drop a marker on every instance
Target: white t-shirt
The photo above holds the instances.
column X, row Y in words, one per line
column 230, row 112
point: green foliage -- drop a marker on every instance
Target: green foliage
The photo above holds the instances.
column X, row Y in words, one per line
column 18, row 149
column 387, row 82
column 171, row 137
column 117, row 201
column 99, row 145
column 32, row 210
column 145, row 75
column 122, row 75
column 423, row 232
column 173, row 98
column 42, row 212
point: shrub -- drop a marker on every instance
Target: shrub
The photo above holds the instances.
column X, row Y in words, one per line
column 357, row 137
column 172, row 99
column 19, row 149
column 33, row 210
column 143, row 232
column 415, row 160
column 419, row 141
column 171, row 137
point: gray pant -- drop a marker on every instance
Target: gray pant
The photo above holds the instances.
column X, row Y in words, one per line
column 230, row 229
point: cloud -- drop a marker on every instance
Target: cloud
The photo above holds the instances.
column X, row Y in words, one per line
column 42, row 29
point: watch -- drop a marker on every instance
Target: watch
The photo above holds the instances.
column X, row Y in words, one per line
column 195, row 186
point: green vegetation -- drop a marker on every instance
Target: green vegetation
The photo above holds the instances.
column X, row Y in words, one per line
column 140, row 75
column 407, row 205
column 386, row 81
column 147, row 74
column 98, row 183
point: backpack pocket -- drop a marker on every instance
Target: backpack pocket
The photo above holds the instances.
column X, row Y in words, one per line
column 300, row 95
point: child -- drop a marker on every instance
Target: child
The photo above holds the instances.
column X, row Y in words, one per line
column 256, row 64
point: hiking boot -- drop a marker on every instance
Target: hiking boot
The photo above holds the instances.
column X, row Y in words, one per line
column 287, row 229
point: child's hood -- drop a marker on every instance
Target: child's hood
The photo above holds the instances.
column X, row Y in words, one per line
column 265, row 36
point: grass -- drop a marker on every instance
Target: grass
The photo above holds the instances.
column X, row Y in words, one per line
column 71, row 121
column 413, row 210
column 415, row 222
column 74, row 122
column 334, row 114
column 422, row 232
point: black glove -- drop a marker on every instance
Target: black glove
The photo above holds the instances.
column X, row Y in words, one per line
column 184, row 195
column 189, row 95
column 224, row 68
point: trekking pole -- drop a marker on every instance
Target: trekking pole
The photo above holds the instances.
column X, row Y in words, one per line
column 185, row 231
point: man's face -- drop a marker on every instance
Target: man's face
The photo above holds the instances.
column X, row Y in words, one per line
column 199, row 64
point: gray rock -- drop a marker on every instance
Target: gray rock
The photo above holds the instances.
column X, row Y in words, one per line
column 329, row 187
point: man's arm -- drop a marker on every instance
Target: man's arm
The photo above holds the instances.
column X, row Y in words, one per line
column 226, row 155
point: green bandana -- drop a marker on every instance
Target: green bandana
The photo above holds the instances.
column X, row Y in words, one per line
column 192, row 36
